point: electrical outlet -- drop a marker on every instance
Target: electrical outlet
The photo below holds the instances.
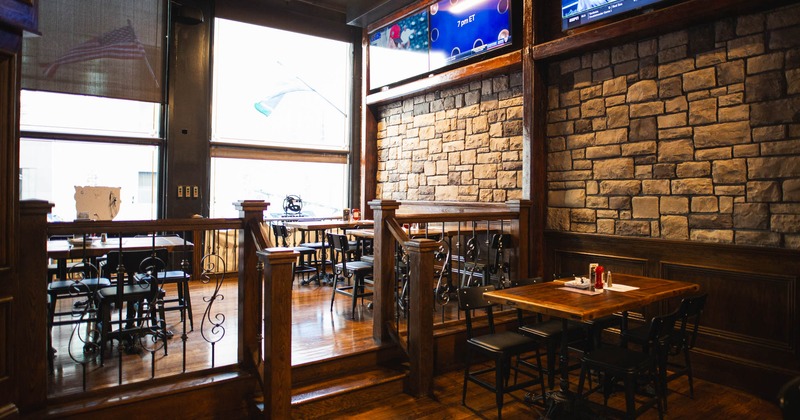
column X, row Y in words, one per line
column 196, row 191
column 188, row 191
column 180, row 191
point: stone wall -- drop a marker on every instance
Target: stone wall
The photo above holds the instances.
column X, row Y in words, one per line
column 462, row 143
column 692, row 135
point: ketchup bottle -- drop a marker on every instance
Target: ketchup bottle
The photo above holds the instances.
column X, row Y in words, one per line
column 598, row 277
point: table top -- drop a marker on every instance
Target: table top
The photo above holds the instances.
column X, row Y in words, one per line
column 61, row 248
column 550, row 299
column 412, row 233
column 330, row 224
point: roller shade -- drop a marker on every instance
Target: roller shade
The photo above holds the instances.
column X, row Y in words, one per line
column 108, row 48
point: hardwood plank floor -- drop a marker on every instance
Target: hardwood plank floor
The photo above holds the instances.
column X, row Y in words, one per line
column 319, row 333
column 711, row 401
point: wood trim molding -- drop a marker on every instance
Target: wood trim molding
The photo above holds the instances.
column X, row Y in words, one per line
column 495, row 65
column 268, row 153
column 678, row 16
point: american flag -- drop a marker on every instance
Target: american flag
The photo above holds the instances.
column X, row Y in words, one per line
column 120, row 43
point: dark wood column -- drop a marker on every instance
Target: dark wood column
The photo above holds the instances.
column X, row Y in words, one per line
column 187, row 152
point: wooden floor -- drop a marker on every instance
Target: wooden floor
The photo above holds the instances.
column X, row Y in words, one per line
column 319, row 333
column 711, row 401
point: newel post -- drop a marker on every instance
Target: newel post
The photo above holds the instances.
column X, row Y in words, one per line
column 277, row 372
column 252, row 214
column 520, row 229
column 383, row 269
column 420, row 322
column 30, row 333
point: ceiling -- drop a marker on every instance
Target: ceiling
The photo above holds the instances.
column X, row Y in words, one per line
column 356, row 12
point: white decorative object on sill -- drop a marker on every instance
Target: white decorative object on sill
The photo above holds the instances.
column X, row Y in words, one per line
column 97, row 203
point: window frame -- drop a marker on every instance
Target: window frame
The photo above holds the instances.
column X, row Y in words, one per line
column 345, row 155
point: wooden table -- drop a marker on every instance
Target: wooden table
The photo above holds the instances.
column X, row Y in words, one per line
column 330, row 224
column 61, row 250
column 550, row 298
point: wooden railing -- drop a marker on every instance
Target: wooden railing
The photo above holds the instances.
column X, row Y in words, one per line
column 261, row 310
column 392, row 220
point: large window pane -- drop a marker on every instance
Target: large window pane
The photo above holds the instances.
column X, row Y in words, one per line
column 76, row 114
column 50, row 170
column 279, row 88
column 321, row 186
column 108, row 48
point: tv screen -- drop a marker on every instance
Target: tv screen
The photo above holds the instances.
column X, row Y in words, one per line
column 399, row 50
column 575, row 13
column 444, row 33
column 462, row 29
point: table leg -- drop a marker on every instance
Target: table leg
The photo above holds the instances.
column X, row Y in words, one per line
column 624, row 327
column 563, row 358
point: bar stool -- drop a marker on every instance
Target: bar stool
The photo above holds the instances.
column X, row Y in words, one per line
column 308, row 256
column 319, row 259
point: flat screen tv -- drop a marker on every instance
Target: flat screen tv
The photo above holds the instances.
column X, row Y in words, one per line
column 465, row 28
column 442, row 34
column 575, row 13
column 399, row 50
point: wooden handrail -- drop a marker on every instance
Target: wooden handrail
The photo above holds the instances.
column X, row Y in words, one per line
column 455, row 217
column 389, row 218
column 140, row 226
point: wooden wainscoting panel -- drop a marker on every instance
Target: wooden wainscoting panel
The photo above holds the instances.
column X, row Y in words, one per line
column 567, row 262
column 748, row 313
column 5, row 327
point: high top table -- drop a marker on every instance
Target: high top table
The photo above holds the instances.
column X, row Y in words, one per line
column 324, row 225
column 551, row 298
column 61, row 250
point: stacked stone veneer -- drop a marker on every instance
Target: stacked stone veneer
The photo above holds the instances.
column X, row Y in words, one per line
column 693, row 135
column 462, row 143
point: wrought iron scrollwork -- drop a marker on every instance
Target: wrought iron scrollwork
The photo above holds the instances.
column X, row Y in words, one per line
column 212, row 328
column 470, row 261
column 402, row 280
column 84, row 340
column 500, row 266
column 443, row 256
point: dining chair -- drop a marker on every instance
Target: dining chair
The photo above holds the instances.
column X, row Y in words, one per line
column 139, row 290
column 346, row 269
column 82, row 282
column 634, row 368
column 683, row 341
column 500, row 346
column 594, row 327
column 549, row 333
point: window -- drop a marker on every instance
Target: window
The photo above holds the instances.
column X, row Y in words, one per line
column 91, row 104
column 321, row 186
column 280, row 118
column 53, row 168
column 48, row 112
